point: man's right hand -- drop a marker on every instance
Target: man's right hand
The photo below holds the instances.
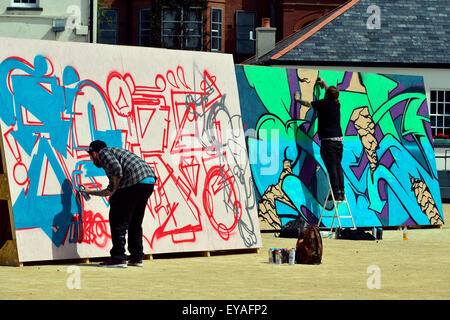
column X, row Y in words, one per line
column 319, row 81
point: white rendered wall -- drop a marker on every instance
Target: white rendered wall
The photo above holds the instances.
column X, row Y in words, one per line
column 37, row 24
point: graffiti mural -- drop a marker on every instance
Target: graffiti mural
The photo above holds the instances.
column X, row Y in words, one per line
column 388, row 161
column 178, row 111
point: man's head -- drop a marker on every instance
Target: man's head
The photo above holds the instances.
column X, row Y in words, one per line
column 94, row 149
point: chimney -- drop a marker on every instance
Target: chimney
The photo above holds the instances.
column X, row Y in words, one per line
column 265, row 38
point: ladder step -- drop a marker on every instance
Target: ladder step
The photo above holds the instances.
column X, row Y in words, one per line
column 336, row 207
column 336, row 216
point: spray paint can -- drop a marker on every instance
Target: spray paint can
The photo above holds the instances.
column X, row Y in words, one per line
column 271, row 259
column 278, row 257
column 405, row 233
column 292, row 256
column 380, row 234
column 337, row 233
column 377, row 233
column 85, row 195
column 285, row 255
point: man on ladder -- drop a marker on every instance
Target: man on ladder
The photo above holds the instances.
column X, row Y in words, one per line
column 330, row 135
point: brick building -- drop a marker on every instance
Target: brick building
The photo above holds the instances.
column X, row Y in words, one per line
column 209, row 25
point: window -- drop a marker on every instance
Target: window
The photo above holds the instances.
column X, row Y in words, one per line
column 216, row 29
column 245, row 25
column 25, row 3
column 145, row 27
column 182, row 28
column 440, row 113
column 107, row 26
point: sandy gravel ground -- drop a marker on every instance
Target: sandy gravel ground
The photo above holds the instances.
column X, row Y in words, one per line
column 392, row 268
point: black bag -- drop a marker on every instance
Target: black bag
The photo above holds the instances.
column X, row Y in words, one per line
column 293, row 228
column 349, row 234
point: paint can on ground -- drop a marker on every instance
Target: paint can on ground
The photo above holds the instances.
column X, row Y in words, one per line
column 285, row 255
column 380, row 234
column 271, row 255
column 337, row 233
column 377, row 233
column 292, row 256
column 278, row 257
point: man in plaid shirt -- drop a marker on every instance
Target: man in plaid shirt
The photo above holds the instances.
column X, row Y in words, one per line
column 131, row 183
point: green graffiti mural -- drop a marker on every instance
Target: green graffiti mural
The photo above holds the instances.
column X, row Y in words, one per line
column 389, row 163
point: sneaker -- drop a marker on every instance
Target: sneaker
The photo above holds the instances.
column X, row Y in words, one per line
column 135, row 263
column 113, row 263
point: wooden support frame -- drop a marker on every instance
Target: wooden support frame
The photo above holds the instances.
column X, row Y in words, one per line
column 9, row 255
column 45, row 138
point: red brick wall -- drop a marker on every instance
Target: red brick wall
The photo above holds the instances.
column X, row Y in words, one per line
column 259, row 6
column 219, row 4
column 288, row 16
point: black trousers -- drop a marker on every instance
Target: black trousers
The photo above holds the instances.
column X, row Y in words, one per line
column 127, row 208
column 331, row 153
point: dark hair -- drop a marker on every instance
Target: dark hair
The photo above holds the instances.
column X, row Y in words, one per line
column 333, row 94
column 96, row 146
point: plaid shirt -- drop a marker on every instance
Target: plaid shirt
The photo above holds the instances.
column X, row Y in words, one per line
column 122, row 163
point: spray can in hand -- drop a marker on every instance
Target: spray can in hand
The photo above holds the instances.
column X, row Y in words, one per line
column 85, row 195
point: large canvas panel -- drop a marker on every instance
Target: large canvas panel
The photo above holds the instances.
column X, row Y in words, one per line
column 178, row 110
column 388, row 161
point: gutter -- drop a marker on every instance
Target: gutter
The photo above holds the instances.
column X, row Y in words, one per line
column 419, row 65
column 91, row 21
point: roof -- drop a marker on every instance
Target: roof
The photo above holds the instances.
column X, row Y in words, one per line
column 411, row 33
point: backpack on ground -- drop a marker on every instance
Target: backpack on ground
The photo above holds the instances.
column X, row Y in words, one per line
column 309, row 246
column 293, row 228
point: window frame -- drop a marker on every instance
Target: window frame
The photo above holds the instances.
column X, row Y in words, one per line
column 219, row 37
column 24, row 5
column 436, row 113
column 140, row 29
column 116, row 28
column 183, row 38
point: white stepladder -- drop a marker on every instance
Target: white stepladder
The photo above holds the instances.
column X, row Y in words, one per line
column 336, row 208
